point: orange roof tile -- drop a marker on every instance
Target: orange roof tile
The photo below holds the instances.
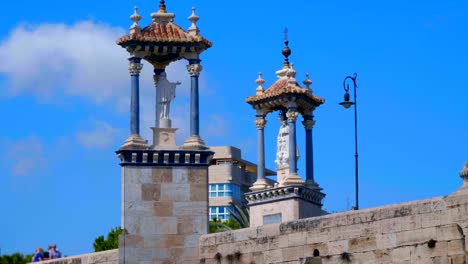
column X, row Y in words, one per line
column 159, row 32
column 282, row 86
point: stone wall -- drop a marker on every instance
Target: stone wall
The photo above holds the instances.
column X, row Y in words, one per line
column 104, row 257
column 426, row 231
column 165, row 211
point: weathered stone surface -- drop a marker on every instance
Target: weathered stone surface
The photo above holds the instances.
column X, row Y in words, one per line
column 175, row 192
column 162, row 175
column 197, row 192
column 427, row 231
column 151, row 192
column 164, row 213
column 104, row 257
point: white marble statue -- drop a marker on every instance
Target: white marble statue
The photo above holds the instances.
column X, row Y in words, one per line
column 282, row 149
column 165, row 93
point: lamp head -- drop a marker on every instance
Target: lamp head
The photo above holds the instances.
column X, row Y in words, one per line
column 346, row 103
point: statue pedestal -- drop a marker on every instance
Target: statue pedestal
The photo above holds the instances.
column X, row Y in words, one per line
column 164, row 138
column 165, row 123
column 282, row 173
column 285, row 178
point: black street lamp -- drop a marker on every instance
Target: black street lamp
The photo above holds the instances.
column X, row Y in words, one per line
column 347, row 104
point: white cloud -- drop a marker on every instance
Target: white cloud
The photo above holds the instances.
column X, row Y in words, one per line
column 50, row 60
column 101, row 136
column 56, row 62
column 27, row 155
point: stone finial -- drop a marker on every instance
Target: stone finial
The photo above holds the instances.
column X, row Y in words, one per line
column 291, row 74
column 135, row 28
column 162, row 16
column 464, row 173
column 260, row 81
column 162, row 6
column 286, row 50
column 307, row 82
column 193, row 29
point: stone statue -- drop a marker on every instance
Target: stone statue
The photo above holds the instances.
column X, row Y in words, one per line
column 164, row 95
column 282, row 149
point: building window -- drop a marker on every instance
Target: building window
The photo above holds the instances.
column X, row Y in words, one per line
column 220, row 212
column 225, row 190
column 272, row 219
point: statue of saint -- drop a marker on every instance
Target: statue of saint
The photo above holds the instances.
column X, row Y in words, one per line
column 282, row 149
column 164, row 95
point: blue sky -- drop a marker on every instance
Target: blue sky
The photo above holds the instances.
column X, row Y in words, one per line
column 64, row 101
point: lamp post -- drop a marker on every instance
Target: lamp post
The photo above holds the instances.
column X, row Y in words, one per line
column 347, row 104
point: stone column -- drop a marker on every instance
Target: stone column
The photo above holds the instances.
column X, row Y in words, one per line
column 292, row 178
column 134, row 141
column 194, row 141
column 261, row 182
column 309, row 159
column 292, row 117
column 134, row 68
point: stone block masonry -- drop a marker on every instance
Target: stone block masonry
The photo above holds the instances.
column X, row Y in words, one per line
column 104, row 257
column 165, row 211
column 164, row 205
column 426, row 231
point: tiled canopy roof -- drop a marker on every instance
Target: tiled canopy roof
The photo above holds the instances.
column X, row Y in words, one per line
column 165, row 33
column 282, row 86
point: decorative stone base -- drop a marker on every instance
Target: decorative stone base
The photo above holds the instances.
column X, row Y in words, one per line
column 164, row 138
column 282, row 204
column 281, row 174
column 194, row 143
column 259, row 184
column 292, row 179
column 313, row 185
column 134, row 141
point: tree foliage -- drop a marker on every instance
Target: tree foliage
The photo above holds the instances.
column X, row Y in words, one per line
column 240, row 219
column 217, row 225
column 241, row 215
column 15, row 258
column 111, row 242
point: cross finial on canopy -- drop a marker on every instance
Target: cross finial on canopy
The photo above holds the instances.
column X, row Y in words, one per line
column 286, row 51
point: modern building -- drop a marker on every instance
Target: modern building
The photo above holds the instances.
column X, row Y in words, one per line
column 230, row 177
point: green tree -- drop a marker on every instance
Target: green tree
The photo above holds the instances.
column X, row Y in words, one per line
column 241, row 215
column 111, row 242
column 216, row 225
column 15, row 258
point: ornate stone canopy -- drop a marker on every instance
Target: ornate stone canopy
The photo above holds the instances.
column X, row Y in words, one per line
column 284, row 90
column 160, row 43
column 291, row 100
column 163, row 41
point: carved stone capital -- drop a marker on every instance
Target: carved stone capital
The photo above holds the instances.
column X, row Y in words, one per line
column 134, row 67
column 308, row 124
column 292, row 115
column 260, row 123
column 194, row 69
